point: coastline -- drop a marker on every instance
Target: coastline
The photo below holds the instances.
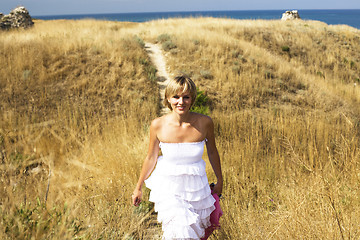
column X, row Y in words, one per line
column 349, row 17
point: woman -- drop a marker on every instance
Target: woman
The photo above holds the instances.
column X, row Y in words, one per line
column 179, row 185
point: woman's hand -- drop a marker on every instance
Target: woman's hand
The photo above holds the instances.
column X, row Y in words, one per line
column 216, row 188
column 136, row 197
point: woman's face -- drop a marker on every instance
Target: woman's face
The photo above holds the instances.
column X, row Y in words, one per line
column 180, row 102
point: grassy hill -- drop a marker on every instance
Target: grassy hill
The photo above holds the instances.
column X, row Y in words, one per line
column 77, row 98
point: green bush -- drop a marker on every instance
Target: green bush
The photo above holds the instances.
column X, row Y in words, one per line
column 196, row 42
column 236, row 69
column 320, row 74
column 285, row 48
column 235, row 53
column 149, row 68
column 201, row 104
column 352, row 64
column 206, row 74
column 139, row 41
column 164, row 38
column 168, row 45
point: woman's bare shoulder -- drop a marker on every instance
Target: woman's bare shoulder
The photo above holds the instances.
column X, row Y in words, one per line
column 159, row 122
column 203, row 119
column 156, row 123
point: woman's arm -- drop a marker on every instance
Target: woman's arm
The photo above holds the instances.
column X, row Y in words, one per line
column 149, row 162
column 214, row 157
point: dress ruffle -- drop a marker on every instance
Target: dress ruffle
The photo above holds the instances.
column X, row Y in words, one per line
column 182, row 198
column 170, row 169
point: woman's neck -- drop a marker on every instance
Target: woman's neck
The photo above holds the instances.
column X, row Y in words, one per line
column 183, row 118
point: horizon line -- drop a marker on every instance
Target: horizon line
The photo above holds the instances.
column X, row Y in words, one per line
column 193, row 11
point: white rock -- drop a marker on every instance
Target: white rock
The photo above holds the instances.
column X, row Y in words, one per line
column 19, row 17
column 290, row 15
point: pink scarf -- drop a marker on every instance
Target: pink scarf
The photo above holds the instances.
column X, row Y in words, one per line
column 214, row 218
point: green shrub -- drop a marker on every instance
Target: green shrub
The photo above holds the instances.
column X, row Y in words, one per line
column 320, row 74
column 201, row 104
column 236, row 69
column 26, row 74
column 352, row 64
column 168, row 45
column 144, row 207
column 139, row 41
column 235, row 53
column 206, row 74
column 196, row 42
column 164, row 38
column 285, row 48
column 149, row 68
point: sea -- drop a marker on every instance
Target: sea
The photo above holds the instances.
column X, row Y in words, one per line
column 349, row 17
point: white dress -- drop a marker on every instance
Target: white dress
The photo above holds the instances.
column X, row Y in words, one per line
column 180, row 191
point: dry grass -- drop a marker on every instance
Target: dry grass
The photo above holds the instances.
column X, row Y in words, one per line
column 77, row 98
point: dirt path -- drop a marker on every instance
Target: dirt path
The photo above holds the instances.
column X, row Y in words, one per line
column 158, row 59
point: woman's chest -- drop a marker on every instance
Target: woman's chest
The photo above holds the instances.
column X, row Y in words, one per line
column 178, row 134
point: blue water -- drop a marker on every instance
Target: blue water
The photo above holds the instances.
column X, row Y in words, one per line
column 348, row 17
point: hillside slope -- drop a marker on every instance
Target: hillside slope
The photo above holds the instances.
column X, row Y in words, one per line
column 77, row 97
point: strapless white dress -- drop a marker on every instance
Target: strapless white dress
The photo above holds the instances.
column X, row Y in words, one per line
column 180, row 191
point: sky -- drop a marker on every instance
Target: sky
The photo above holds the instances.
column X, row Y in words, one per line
column 62, row 7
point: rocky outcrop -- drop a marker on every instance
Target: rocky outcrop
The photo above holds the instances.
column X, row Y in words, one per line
column 18, row 18
column 290, row 15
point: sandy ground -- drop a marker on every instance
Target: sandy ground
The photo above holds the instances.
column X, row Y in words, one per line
column 158, row 59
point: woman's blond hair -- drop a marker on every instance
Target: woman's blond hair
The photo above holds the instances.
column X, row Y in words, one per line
column 180, row 84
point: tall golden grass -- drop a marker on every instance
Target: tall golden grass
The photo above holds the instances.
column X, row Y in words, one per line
column 77, row 98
